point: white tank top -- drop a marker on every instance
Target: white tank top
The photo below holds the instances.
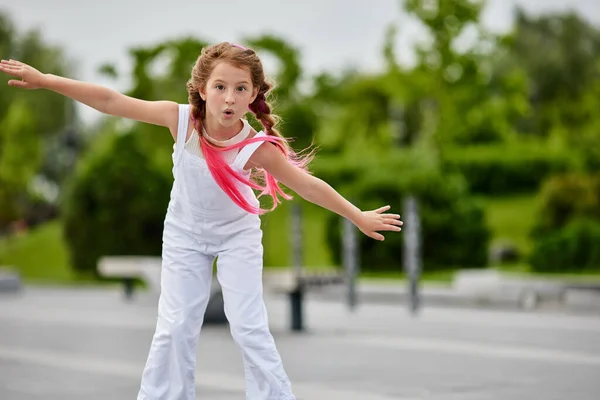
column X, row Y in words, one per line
column 195, row 195
column 192, row 145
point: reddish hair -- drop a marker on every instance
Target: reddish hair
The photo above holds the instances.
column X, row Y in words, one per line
column 226, row 177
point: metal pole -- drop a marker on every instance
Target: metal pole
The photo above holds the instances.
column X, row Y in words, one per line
column 128, row 285
column 350, row 260
column 297, row 294
column 412, row 256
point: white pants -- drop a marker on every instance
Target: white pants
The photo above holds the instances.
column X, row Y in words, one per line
column 188, row 257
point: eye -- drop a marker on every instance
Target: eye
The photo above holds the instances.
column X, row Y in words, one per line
column 220, row 87
column 241, row 88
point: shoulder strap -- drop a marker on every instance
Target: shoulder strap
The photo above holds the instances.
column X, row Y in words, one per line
column 182, row 127
column 247, row 151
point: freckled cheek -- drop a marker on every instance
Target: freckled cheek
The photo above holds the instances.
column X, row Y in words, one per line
column 243, row 97
column 215, row 100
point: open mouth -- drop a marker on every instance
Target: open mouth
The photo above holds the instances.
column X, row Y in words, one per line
column 228, row 112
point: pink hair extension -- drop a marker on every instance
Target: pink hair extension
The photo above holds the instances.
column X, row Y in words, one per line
column 225, row 176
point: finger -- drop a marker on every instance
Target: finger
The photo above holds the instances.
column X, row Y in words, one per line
column 393, row 222
column 10, row 67
column 396, row 216
column 19, row 84
column 382, row 209
column 377, row 236
column 392, row 228
column 389, row 225
column 13, row 72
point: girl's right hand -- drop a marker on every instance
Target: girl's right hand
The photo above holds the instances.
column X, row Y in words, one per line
column 30, row 77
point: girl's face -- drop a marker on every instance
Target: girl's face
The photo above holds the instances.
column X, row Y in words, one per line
column 228, row 93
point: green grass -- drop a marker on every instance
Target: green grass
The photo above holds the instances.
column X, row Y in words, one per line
column 39, row 255
column 277, row 236
column 511, row 219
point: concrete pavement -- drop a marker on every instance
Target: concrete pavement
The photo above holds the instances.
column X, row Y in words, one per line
column 88, row 343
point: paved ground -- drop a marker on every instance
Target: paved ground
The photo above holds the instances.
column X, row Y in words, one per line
column 88, row 344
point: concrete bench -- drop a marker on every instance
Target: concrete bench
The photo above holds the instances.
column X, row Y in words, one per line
column 10, row 280
column 295, row 284
column 489, row 285
column 131, row 268
column 148, row 269
column 287, row 280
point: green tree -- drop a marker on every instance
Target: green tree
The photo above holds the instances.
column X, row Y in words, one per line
column 561, row 56
column 115, row 204
column 29, row 120
column 382, row 135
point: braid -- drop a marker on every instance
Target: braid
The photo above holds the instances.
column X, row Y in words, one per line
column 262, row 110
column 198, row 105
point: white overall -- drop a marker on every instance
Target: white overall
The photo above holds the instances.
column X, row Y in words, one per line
column 202, row 223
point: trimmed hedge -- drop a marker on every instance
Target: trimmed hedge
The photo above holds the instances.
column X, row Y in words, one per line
column 567, row 234
column 454, row 233
column 574, row 248
column 115, row 204
column 506, row 169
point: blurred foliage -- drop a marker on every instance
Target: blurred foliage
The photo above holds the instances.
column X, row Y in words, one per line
column 567, row 232
column 494, row 115
column 454, row 233
column 560, row 55
column 567, row 197
column 507, row 168
column 115, row 204
column 573, row 248
column 29, row 123
column 40, row 255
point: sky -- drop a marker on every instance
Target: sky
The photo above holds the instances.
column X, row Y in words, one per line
column 330, row 34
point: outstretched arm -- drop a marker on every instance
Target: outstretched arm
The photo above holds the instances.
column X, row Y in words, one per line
column 322, row 194
column 103, row 99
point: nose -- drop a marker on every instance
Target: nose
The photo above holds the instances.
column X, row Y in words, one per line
column 230, row 98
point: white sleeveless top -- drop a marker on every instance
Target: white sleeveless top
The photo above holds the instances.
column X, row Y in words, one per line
column 195, row 195
column 192, row 145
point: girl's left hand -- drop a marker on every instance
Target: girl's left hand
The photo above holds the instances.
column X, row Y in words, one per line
column 374, row 221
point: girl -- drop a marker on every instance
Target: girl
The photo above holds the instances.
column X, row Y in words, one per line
column 218, row 160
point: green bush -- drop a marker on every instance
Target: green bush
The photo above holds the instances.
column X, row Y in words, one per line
column 574, row 248
column 452, row 223
column 115, row 204
column 566, row 235
column 565, row 197
column 506, row 169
